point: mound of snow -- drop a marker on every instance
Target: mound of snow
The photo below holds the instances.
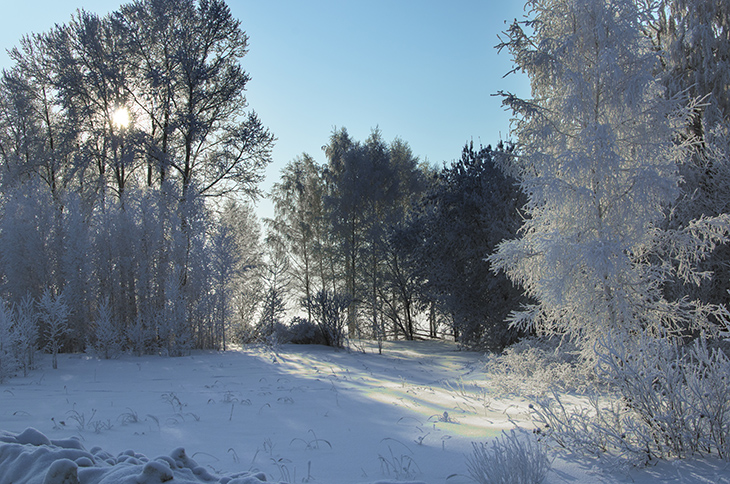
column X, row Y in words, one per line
column 32, row 458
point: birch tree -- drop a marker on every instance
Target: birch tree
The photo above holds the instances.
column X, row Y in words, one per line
column 598, row 156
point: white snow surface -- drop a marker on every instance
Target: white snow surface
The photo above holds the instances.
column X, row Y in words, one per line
column 299, row 414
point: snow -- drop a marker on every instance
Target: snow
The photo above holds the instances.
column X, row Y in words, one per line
column 299, row 414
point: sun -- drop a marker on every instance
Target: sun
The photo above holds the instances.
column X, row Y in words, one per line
column 120, row 117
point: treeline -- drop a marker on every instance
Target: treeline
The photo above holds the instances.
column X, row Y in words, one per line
column 394, row 247
column 116, row 133
column 127, row 151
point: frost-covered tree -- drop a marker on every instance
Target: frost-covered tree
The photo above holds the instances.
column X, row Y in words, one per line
column 694, row 37
column 8, row 359
column 300, row 223
column 107, row 342
column 95, row 207
column 276, row 287
column 346, row 205
column 53, row 312
column 26, row 252
column 598, row 156
column 370, row 186
column 224, row 270
column 77, row 269
column 141, row 335
column 48, row 137
column 192, row 100
column 246, row 288
column 25, row 333
column 393, row 297
column 176, row 333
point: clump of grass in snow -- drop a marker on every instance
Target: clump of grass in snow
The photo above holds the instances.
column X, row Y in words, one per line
column 174, row 402
column 400, row 466
column 80, row 418
column 129, row 417
column 311, row 444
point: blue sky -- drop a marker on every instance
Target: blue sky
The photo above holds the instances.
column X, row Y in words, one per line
column 421, row 70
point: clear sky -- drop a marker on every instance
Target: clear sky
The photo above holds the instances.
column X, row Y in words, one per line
column 421, row 70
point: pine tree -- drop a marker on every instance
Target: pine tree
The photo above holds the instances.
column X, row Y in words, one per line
column 468, row 211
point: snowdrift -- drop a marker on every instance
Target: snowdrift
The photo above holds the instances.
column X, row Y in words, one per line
column 30, row 457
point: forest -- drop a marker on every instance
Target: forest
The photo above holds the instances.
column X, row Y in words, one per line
column 130, row 162
column 130, row 165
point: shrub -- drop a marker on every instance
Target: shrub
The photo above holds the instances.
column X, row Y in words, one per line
column 328, row 309
column 243, row 333
column 512, row 458
column 141, row 336
column 674, row 402
column 534, row 366
column 302, row 331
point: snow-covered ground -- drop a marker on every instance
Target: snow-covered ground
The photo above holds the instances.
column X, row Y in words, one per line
column 302, row 414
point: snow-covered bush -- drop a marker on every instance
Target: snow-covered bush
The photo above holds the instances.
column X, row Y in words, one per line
column 277, row 335
column 512, row 458
column 108, row 342
column 534, row 366
column 243, row 333
column 672, row 402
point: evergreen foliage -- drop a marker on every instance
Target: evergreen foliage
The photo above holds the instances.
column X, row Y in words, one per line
column 469, row 210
